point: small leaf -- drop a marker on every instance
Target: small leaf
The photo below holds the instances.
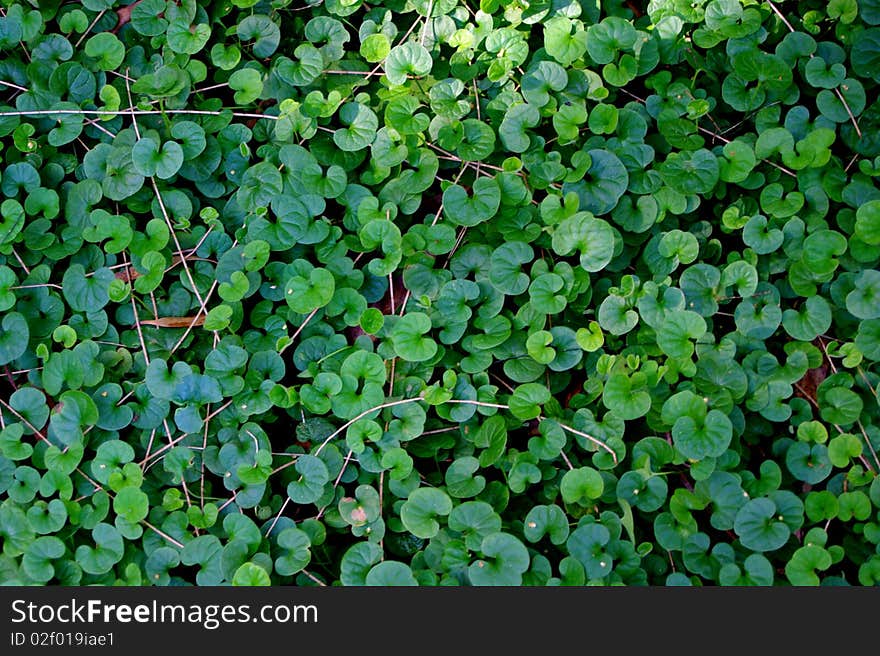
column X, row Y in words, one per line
column 409, row 58
column 420, row 511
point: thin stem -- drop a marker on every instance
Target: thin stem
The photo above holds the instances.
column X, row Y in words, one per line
column 339, row 72
column 21, row 261
column 837, row 91
column 277, row 517
column 870, row 445
column 586, row 436
column 137, row 323
column 195, row 318
column 299, row 330
column 14, row 86
column 365, row 413
column 391, row 377
column 727, row 141
column 202, row 464
column 89, row 28
column 212, row 87
column 170, row 445
column 228, row 501
column 149, row 447
column 292, row 462
column 136, row 112
column 567, row 461
column 849, row 112
column 45, row 284
column 440, row 209
column 314, row 578
column 405, row 299
column 481, row 404
column 381, row 511
column 167, row 537
column 164, row 209
column 45, row 439
column 336, row 482
column 438, row 431
column 453, row 158
column 781, row 16
column 23, row 420
column 391, row 292
column 458, row 243
column 217, row 411
column 425, row 23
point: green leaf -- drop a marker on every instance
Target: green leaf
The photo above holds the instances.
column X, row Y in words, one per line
column 375, row 47
column 308, row 486
column 758, row 571
column 357, row 561
column 262, row 31
column 677, row 331
column 842, row 448
column 840, row 405
column 588, row 544
column 407, row 59
column 13, row 220
column 607, row 38
column 477, row 142
column 505, row 271
column 149, row 160
column 504, row 560
column 543, row 294
column 461, row 482
column 106, row 552
column 615, row 315
column 582, row 485
column 14, row 336
column 74, row 412
column 40, row 556
column 809, row 321
column 247, row 84
column 564, row 40
column 187, row 39
column 807, row 463
column 295, row 551
column 514, row 127
column 250, row 574
column 462, row 209
column 305, row 294
column 543, row 79
column 865, row 54
column 864, row 300
column 697, row 431
column 627, row 396
column 526, row 401
column 546, row 521
column 421, row 509
column 390, row 573
column 760, row 527
column 867, row 226
column 409, row 338
column 592, row 237
column 164, row 82
column 107, row 49
column 604, row 184
column 360, row 131
column 131, row 504
column 474, row 520
column 695, row 172
column 801, row 569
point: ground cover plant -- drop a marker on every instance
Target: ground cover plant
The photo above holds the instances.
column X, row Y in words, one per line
column 440, row 292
